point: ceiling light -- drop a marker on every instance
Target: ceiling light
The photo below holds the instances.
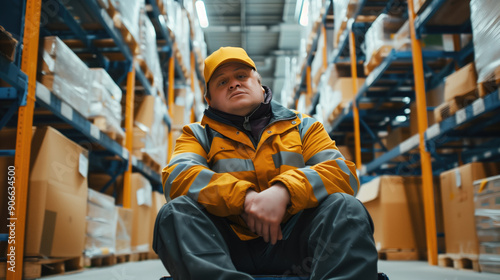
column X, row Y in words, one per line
column 202, row 13
column 401, row 119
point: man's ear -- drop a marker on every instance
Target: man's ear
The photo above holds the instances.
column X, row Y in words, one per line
column 263, row 90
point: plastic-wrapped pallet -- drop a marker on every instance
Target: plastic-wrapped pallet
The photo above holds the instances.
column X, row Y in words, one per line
column 178, row 23
column 151, row 130
column 105, row 97
column 487, row 216
column 129, row 13
column 65, row 74
column 149, row 50
column 343, row 10
column 101, row 224
column 124, row 230
column 379, row 41
column 485, row 20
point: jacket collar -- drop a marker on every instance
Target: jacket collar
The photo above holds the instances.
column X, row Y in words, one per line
column 269, row 106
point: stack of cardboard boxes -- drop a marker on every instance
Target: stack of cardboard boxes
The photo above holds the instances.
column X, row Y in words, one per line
column 150, row 143
column 66, row 218
column 467, row 214
column 395, row 204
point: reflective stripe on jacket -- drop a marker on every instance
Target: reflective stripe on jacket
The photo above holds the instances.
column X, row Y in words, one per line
column 217, row 167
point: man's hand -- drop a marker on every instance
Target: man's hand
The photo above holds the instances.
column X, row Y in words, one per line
column 264, row 211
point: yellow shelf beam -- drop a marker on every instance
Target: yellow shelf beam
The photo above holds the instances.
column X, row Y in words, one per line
column 425, row 158
column 193, row 71
column 355, row 112
column 24, row 133
column 129, row 134
column 170, row 100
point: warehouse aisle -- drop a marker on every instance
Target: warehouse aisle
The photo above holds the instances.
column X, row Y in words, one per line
column 396, row 270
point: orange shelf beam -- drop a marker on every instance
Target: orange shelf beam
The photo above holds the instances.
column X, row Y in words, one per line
column 23, row 138
column 355, row 112
column 129, row 134
column 427, row 182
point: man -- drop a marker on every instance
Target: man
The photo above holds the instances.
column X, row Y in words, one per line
column 259, row 189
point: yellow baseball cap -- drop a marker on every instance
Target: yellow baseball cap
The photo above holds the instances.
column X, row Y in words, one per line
column 223, row 55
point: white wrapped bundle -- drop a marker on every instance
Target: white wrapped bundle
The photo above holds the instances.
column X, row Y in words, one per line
column 71, row 76
column 485, row 20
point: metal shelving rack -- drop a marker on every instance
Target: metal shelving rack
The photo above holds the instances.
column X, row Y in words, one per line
column 25, row 93
column 305, row 83
column 404, row 76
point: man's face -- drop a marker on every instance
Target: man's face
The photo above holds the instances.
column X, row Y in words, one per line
column 235, row 89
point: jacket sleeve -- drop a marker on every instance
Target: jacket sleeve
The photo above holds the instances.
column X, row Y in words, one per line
column 188, row 173
column 326, row 170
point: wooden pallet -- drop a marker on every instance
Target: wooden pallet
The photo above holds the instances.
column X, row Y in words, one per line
column 146, row 70
column 151, row 163
column 102, row 123
column 449, row 108
column 459, row 261
column 398, row 254
column 99, row 261
column 377, row 58
column 34, row 268
column 7, row 44
column 115, row 15
column 336, row 112
column 490, row 85
column 108, row 260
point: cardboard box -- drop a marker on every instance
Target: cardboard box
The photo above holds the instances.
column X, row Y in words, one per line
column 397, row 213
column 144, row 115
column 97, row 181
column 396, row 206
column 397, row 136
column 345, row 86
column 457, row 194
column 57, row 197
column 434, row 98
column 347, row 152
column 141, row 203
column 461, row 82
column 124, row 230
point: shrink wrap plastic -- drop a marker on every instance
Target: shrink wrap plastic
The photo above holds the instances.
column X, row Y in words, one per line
column 343, row 10
column 487, row 216
column 380, row 34
column 130, row 12
column 156, row 131
column 105, row 97
column 71, row 75
column 101, row 224
column 149, row 51
column 485, row 20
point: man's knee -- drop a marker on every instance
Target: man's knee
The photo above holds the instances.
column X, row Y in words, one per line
column 350, row 206
column 180, row 204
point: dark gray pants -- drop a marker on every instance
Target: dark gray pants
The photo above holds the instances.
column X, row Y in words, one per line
column 331, row 241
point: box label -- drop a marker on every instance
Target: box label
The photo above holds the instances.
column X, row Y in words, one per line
column 83, row 165
column 458, row 179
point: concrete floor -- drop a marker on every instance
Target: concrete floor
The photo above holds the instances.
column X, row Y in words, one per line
column 396, row 270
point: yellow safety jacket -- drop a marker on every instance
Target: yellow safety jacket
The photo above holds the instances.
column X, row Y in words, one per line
column 215, row 163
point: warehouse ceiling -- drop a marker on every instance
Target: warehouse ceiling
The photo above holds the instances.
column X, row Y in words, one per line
column 267, row 29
